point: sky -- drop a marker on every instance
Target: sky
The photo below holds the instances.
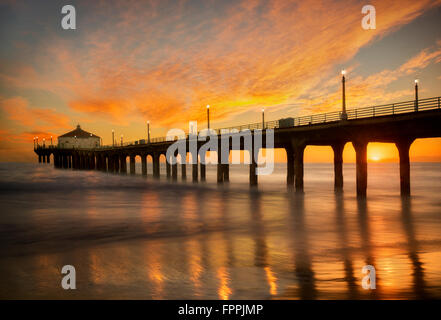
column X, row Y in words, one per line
column 129, row 62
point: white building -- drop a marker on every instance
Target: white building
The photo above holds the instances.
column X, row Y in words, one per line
column 78, row 138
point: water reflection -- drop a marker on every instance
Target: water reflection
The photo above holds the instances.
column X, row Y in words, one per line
column 302, row 260
column 180, row 242
column 419, row 285
column 352, row 285
column 366, row 243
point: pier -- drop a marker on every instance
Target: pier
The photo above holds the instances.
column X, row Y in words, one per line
column 399, row 123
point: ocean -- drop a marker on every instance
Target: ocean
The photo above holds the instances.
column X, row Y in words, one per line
column 131, row 237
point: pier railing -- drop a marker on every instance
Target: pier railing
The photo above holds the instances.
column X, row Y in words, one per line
column 391, row 109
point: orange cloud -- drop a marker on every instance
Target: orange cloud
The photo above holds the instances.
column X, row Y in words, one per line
column 17, row 109
column 166, row 65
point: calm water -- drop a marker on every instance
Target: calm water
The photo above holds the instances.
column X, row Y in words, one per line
column 131, row 237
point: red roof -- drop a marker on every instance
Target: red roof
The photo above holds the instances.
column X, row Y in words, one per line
column 79, row 133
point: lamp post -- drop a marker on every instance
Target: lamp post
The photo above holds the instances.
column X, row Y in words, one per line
column 121, row 140
column 51, row 142
column 113, row 138
column 208, row 116
column 263, row 119
column 148, row 131
column 44, row 142
column 36, row 138
column 344, row 115
column 416, row 94
column 34, row 142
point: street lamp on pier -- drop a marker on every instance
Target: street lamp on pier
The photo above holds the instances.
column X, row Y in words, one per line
column 148, row 131
column 51, row 142
column 416, row 94
column 344, row 115
column 44, row 142
column 121, row 140
column 113, row 138
column 208, row 116
column 263, row 119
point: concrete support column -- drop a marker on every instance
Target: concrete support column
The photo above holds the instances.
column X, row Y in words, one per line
column 226, row 172
column 104, row 160
column 65, row 165
column 123, row 164
column 361, row 166
column 203, row 171
column 289, row 166
column 69, row 161
column 298, row 167
column 44, row 158
column 132, row 164
column 156, row 168
column 253, row 167
column 48, row 158
column 39, row 158
column 220, row 167
column 253, row 175
column 144, row 164
column 338, row 165
column 184, row 171
column 99, row 162
column 114, row 163
column 168, row 168
column 194, row 171
column 403, row 147
column 174, row 168
column 110, row 164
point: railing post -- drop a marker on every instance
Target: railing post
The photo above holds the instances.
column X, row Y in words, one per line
column 373, row 111
column 393, row 108
column 438, row 104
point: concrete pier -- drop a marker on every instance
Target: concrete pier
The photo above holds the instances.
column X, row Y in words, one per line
column 360, row 127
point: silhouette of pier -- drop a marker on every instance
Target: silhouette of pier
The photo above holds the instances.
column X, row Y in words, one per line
column 398, row 123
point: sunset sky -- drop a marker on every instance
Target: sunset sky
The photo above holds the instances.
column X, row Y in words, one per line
column 164, row 61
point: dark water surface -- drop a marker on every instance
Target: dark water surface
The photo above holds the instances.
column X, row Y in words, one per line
column 131, row 237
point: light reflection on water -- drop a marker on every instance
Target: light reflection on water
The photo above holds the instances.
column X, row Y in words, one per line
column 131, row 237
